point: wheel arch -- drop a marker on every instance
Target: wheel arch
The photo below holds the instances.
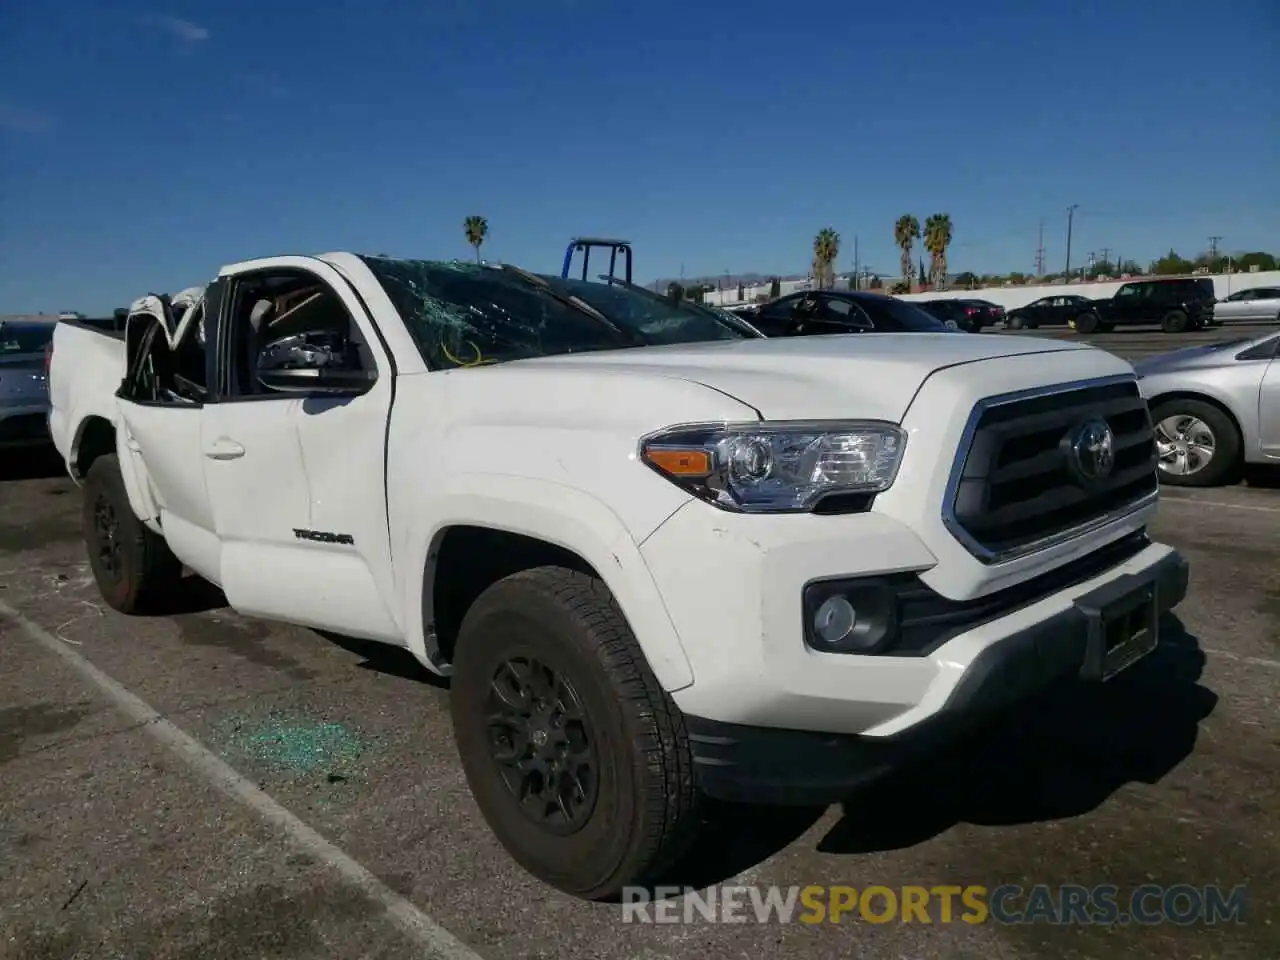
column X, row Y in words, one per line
column 500, row 526
column 95, row 437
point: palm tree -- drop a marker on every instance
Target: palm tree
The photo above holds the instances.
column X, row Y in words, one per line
column 477, row 229
column 826, row 247
column 905, row 232
column 937, row 237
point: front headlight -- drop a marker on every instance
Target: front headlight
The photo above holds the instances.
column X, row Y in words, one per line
column 780, row 467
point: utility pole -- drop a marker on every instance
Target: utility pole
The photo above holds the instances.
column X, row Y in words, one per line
column 1040, row 251
column 1071, row 213
column 1213, row 247
column 857, row 275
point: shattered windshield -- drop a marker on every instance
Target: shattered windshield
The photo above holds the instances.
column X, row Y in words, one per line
column 656, row 318
column 464, row 314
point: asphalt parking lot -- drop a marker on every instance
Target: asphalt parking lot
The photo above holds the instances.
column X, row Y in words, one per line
column 1138, row 341
column 203, row 785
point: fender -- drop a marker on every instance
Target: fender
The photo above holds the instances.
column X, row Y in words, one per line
column 561, row 515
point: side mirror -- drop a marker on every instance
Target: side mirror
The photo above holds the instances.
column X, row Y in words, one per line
column 310, row 363
column 303, row 380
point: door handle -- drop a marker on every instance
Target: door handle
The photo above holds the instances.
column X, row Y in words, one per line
column 223, row 449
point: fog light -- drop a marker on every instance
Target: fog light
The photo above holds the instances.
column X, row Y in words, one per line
column 853, row 616
column 834, row 620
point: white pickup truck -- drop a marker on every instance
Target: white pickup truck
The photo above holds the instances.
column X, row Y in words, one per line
column 659, row 557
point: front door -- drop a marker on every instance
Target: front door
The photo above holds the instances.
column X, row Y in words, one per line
column 1130, row 303
column 258, row 488
column 1269, row 410
column 297, row 477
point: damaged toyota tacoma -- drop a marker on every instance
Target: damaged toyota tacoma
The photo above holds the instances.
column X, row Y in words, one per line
column 660, row 558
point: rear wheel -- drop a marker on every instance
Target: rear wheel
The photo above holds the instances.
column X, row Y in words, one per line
column 132, row 566
column 1175, row 321
column 576, row 756
column 1085, row 323
column 1198, row 444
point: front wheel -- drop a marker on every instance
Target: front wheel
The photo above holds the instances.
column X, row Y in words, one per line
column 1198, row 444
column 133, row 566
column 1015, row 322
column 576, row 756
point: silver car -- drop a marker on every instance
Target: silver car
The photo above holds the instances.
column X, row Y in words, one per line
column 24, row 388
column 1259, row 303
column 1215, row 408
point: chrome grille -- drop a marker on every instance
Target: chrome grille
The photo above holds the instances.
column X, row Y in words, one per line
column 1014, row 488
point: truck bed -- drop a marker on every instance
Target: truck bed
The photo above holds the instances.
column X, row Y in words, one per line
column 85, row 371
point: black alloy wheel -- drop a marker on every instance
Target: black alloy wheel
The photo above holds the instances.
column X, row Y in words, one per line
column 541, row 744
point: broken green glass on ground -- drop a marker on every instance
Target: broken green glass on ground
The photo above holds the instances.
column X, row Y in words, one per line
column 299, row 747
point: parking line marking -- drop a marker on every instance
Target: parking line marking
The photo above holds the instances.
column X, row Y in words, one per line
column 1165, row 498
column 438, row 942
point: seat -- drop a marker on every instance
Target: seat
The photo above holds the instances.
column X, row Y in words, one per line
column 259, row 316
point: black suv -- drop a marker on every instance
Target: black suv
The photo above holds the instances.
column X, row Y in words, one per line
column 1176, row 303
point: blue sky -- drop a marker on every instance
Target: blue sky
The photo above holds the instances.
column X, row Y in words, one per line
column 142, row 147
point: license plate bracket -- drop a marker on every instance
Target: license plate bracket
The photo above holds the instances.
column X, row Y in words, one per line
column 1124, row 626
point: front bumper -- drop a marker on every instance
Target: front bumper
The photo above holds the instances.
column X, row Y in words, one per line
column 745, row 763
column 733, row 587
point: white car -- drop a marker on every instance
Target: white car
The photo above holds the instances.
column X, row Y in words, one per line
column 1256, row 304
column 661, row 559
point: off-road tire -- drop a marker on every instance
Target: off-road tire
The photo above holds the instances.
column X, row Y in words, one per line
column 1175, row 321
column 145, row 569
column 647, row 805
column 1226, row 464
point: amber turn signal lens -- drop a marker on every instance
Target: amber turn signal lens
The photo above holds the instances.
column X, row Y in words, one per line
column 681, row 462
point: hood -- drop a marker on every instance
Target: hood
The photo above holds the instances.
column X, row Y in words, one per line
column 1187, row 358
column 798, row 378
